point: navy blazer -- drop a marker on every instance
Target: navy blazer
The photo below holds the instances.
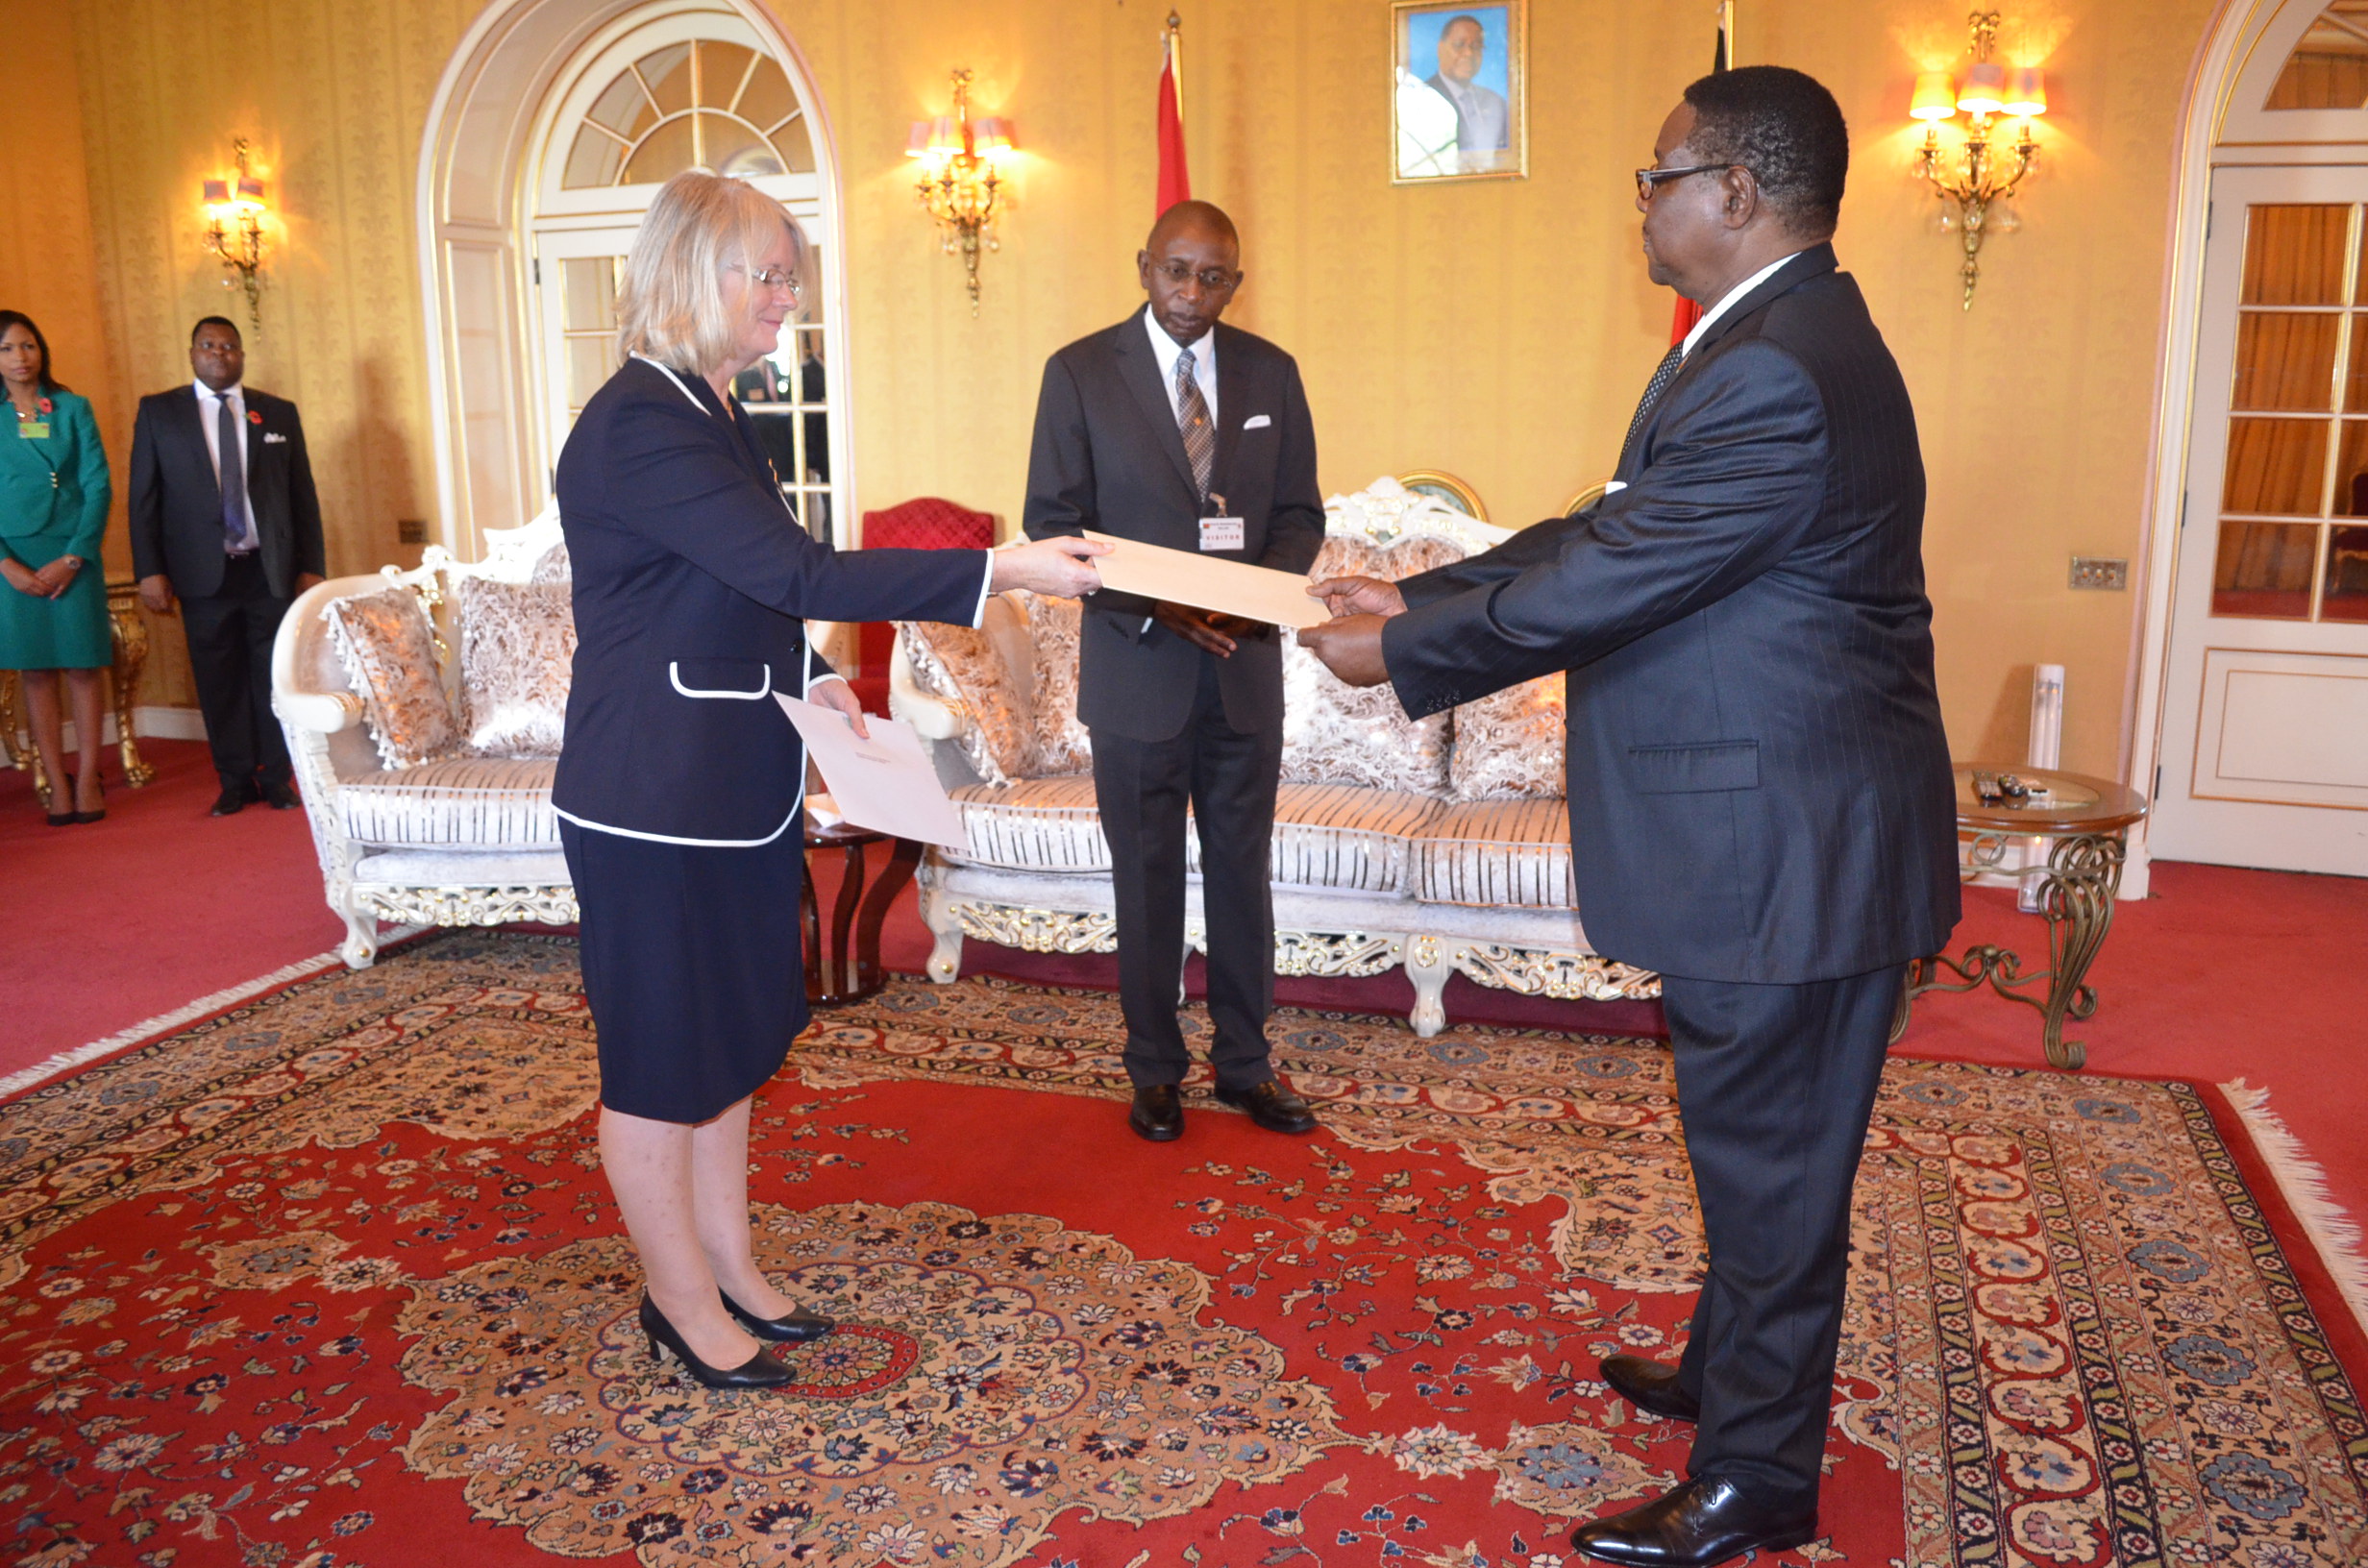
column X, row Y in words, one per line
column 1107, row 456
column 176, row 501
column 1760, row 787
column 690, row 581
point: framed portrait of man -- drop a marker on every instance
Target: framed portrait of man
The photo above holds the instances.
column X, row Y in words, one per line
column 1458, row 99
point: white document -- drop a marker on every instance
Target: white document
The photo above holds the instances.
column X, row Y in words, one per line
column 1208, row 582
column 884, row 782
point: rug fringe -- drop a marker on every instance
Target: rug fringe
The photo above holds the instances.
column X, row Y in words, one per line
column 41, row 1072
column 2302, row 1183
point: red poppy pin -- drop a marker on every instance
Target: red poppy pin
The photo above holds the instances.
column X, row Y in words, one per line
column 253, row 418
column 45, row 406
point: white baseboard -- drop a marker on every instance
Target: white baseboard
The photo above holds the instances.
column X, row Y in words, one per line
column 164, row 724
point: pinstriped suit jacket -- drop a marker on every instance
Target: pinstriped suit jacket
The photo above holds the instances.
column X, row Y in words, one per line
column 1760, row 787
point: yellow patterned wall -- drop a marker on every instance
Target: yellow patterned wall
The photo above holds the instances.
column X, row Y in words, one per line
column 1501, row 330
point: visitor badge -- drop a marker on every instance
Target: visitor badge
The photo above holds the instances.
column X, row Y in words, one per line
column 1223, row 533
column 38, row 429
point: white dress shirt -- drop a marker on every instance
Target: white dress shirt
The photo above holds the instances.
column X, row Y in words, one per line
column 1168, row 350
column 209, row 419
column 1727, row 299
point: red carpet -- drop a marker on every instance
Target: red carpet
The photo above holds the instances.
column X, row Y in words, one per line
column 2221, row 975
column 333, row 1279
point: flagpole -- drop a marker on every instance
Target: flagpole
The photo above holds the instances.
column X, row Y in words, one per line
column 1175, row 62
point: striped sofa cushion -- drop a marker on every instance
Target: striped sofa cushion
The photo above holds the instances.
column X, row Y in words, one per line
column 488, row 803
column 1496, row 853
column 1033, row 824
column 1339, row 836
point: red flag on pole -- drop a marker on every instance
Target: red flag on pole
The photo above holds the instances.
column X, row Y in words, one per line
column 1175, row 182
column 1682, row 320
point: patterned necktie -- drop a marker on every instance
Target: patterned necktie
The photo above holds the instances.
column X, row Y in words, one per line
column 233, row 476
column 1663, row 373
column 1192, row 417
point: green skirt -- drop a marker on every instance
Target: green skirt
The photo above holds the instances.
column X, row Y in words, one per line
column 68, row 634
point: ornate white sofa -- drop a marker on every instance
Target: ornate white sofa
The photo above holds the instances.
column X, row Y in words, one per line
column 465, row 841
column 1366, row 879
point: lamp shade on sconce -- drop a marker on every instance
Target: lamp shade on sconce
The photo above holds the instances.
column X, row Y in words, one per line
column 940, row 138
column 2026, row 91
column 216, row 193
column 1935, row 97
column 250, row 191
column 991, row 137
column 1984, row 91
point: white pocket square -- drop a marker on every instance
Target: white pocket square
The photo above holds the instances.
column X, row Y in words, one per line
column 270, row 436
column 1257, row 422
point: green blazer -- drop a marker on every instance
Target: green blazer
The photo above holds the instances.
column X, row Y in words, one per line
column 54, row 490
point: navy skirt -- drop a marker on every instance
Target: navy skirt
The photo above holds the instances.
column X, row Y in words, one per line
column 691, row 966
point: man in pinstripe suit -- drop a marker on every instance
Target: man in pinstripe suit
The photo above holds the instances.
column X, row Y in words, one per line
column 1761, row 801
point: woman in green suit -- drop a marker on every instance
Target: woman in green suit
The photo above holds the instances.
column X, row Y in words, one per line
column 53, row 609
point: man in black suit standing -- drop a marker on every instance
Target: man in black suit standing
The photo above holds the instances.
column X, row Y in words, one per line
column 1173, row 430
column 1761, row 801
column 224, row 516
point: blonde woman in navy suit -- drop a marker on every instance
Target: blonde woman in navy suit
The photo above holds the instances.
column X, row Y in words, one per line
column 53, row 609
column 681, row 784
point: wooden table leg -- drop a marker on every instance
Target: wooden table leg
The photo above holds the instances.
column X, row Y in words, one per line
column 810, row 937
column 842, row 927
column 902, row 861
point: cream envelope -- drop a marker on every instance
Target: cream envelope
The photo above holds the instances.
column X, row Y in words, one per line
column 1208, row 582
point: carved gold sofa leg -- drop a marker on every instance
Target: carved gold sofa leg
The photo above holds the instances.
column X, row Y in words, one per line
column 944, row 923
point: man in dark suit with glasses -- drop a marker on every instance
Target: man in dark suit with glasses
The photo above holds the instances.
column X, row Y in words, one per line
column 1761, row 801
column 1174, row 430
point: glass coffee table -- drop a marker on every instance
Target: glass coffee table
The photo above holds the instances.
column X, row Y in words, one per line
column 2088, row 821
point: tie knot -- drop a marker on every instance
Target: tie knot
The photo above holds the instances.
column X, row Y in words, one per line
column 1184, row 363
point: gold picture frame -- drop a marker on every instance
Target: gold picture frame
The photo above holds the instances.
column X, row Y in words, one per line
column 1592, row 493
column 1459, row 91
column 1445, row 487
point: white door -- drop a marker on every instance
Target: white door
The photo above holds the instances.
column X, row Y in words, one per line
column 576, row 294
column 2265, row 710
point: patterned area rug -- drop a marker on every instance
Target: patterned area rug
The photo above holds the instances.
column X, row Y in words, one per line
column 333, row 1279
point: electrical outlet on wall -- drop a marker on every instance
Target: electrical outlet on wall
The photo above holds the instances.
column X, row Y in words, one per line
column 413, row 530
column 2099, row 572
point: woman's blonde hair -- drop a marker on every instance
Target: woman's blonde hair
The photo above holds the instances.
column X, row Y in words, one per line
column 673, row 305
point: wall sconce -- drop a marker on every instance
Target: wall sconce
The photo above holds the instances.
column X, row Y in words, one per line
column 1979, row 181
column 960, row 182
column 235, row 231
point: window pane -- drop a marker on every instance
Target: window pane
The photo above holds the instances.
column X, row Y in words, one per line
column 2264, row 569
column 590, row 362
column 2288, row 362
column 666, row 154
column 796, row 148
column 721, row 66
column 2294, row 255
column 2329, row 68
column 2276, row 465
column 733, row 148
column 594, row 160
column 668, row 72
column 588, row 293
column 624, row 108
column 2352, row 469
column 767, row 99
column 2345, row 597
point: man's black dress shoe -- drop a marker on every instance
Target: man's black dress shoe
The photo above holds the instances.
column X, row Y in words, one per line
column 1272, row 1106
column 230, row 801
column 1704, row 1522
column 1157, row 1114
column 1650, row 1385
column 790, row 1328
column 279, row 796
column 758, row 1371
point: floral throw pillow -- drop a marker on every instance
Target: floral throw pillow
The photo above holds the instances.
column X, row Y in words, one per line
column 1509, row 744
column 517, row 652
column 388, row 649
column 1339, row 734
column 1063, row 748
column 959, row 667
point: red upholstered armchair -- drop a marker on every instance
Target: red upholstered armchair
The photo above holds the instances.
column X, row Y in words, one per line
column 927, row 523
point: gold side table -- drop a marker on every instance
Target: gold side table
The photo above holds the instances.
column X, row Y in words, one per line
column 2089, row 820
column 130, row 648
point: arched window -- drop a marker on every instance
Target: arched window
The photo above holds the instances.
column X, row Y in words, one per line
column 667, row 89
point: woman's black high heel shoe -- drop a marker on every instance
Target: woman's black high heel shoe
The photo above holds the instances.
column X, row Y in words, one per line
column 758, row 1371
column 61, row 794
column 97, row 816
column 790, row 1328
